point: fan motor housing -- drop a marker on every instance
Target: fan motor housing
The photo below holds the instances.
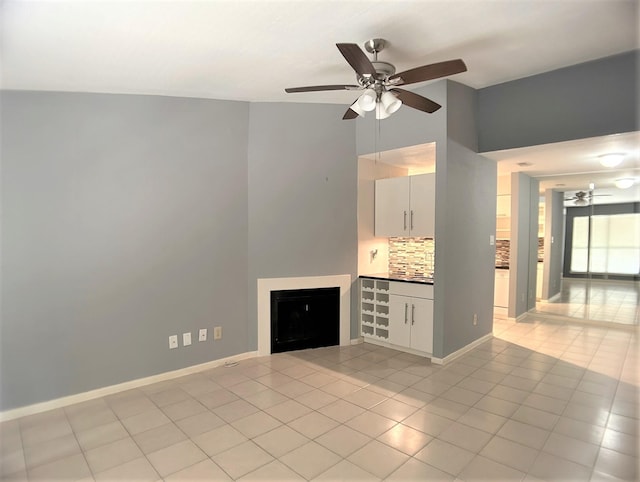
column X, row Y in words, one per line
column 384, row 69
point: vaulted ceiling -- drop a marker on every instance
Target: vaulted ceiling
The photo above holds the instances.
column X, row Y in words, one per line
column 252, row 50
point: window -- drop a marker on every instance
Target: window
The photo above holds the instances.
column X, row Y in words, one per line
column 615, row 244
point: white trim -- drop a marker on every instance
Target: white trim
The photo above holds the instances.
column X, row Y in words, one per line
column 458, row 353
column 550, row 300
column 357, row 341
column 500, row 312
column 267, row 285
column 404, row 349
column 120, row 387
column 519, row 318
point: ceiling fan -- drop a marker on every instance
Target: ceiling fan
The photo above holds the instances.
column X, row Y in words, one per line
column 379, row 81
column 582, row 198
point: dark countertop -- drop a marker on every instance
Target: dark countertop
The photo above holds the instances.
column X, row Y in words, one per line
column 502, row 267
column 386, row 276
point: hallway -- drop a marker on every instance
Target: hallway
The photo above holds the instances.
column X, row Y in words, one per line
column 596, row 300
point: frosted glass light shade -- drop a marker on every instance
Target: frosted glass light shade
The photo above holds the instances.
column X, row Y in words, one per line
column 611, row 160
column 625, row 183
column 381, row 112
column 390, row 102
column 355, row 107
column 367, row 101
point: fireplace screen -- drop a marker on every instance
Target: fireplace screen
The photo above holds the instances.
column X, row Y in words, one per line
column 308, row 318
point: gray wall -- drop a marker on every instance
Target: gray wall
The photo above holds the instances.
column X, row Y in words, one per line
column 302, row 196
column 465, row 260
column 465, row 218
column 124, row 221
column 524, row 244
column 585, row 100
column 554, row 228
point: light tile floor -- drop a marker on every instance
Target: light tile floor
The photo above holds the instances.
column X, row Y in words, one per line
column 540, row 401
column 596, row 300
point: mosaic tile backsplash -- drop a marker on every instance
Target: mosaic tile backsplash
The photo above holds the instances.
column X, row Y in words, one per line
column 502, row 251
column 411, row 257
column 415, row 257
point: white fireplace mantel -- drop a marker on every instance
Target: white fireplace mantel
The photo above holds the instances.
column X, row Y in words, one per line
column 267, row 285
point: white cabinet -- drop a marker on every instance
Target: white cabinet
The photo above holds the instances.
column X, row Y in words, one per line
column 539, row 275
column 374, row 309
column 503, row 216
column 501, row 288
column 411, row 316
column 405, row 206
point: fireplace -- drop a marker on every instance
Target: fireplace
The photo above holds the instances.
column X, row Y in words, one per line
column 267, row 285
column 305, row 318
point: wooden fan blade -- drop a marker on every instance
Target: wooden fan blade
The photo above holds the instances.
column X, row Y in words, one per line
column 350, row 114
column 357, row 59
column 416, row 101
column 429, row 72
column 318, row 88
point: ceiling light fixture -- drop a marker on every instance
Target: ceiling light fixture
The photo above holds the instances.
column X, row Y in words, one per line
column 612, row 159
column 625, row 183
column 384, row 103
column 367, row 101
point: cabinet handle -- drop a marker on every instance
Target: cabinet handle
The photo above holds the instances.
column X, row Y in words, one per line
column 413, row 314
column 406, row 309
column 405, row 220
column 412, row 219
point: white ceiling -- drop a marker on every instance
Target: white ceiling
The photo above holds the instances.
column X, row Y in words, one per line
column 252, row 50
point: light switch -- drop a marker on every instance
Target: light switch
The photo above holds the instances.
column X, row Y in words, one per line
column 186, row 339
column 202, row 335
column 492, row 240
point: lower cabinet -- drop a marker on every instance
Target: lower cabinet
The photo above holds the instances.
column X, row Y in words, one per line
column 411, row 322
column 397, row 314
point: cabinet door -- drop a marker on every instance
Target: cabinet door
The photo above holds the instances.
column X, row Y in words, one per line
column 421, row 318
column 422, row 212
column 392, row 207
column 399, row 320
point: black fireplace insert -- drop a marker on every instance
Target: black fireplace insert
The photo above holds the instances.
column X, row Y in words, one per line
column 306, row 318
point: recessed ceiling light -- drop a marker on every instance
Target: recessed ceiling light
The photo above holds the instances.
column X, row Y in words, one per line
column 560, row 185
column 625, row 183
column 612, row 159
column 525, row 164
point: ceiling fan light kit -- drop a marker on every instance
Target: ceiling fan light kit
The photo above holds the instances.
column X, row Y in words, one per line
column 390, row 102
column 367, row 101
column 379, row 81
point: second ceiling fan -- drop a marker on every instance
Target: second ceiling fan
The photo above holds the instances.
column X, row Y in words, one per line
column 380, row 82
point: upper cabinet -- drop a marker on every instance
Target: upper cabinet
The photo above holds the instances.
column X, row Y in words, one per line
column 405, row 206
column 503, row 216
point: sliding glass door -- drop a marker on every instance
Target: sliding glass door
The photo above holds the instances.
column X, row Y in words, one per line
column 606, row 244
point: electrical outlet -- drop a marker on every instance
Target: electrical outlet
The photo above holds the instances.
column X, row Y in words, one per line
column 475, row 319
column 217, row 333
column 202, row 334
column 173, row 342
column 186, row 339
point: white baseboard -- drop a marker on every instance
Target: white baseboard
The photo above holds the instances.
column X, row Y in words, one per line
column 357, row 341
column 120, row 387
column 458, row 353
column 519, row 318
column 550, row 300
